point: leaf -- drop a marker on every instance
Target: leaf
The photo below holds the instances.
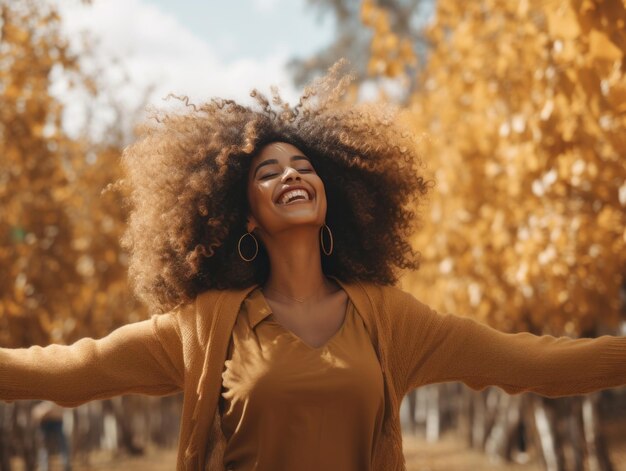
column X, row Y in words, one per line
column 602, row 48
column 562, row 21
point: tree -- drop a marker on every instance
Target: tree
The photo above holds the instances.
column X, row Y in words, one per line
column 534, row 224
column 401, row 19
column 66, row 274
column 36, row 234
column 524, row 106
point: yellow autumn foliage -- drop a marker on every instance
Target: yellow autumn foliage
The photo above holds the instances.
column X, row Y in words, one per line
column 63, row 274
column 524, row 106
column 390, row 54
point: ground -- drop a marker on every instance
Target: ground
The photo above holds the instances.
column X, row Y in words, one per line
column 449, row 454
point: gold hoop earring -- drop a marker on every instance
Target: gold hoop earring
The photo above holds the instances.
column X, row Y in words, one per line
column 255, row 243
column 330, row 235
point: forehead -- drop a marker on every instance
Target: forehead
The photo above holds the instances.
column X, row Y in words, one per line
column 276, row 150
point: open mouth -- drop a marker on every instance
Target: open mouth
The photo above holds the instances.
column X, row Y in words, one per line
column 294, row 197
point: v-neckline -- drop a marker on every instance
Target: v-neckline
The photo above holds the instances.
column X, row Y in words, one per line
column 299, row 339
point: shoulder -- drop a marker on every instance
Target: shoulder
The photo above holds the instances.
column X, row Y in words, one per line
column 184, row 331
column 388, row 295
column 212, row 306
column 397, row 306
column 188, row 318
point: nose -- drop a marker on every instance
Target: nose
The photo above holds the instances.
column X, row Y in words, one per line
column 290, row 173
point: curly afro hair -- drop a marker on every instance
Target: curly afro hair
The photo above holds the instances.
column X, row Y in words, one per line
column 187, row 175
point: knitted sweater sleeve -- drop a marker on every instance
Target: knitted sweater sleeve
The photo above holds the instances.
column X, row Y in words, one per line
column 137, row 358
column 430, row 347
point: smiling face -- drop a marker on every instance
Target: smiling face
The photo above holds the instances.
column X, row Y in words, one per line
column 284, row 190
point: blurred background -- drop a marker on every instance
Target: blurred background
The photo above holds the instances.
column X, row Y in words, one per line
column 519, row 108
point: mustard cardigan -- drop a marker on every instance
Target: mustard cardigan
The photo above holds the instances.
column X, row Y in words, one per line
column 184, row 350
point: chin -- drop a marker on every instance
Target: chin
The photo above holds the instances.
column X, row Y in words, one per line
column 304, row 219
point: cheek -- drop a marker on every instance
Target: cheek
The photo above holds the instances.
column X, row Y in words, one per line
column 320, row 190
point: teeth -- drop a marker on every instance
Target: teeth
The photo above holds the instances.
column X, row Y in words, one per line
column 292, row 194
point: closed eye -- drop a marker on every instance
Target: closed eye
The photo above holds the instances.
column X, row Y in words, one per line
column 300, row 170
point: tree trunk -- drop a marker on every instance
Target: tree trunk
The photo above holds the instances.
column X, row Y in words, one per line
column 412, row 398
column 479, row 420
column 6, row 418
column 465, row 415
column 545, row 425
column 573, row 446
column 433, row 415
column 26, row 434
column 597, row 453
column 499, row 443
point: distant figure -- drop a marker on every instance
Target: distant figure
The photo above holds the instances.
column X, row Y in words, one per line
column 50, row 418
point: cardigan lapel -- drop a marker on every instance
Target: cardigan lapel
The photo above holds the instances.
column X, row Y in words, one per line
column 377, row 324
column 222, row 322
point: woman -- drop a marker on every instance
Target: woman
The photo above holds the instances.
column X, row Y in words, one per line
column 266, row 241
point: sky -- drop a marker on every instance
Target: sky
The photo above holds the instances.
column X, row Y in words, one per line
column 197, row 48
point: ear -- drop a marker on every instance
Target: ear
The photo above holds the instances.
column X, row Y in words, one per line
column 251, row 225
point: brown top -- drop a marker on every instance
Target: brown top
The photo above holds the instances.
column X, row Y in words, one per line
column 287, row 405
column 185, row 350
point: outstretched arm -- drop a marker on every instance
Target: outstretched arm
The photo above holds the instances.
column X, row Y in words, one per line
column 132, row 359
column 445, row 347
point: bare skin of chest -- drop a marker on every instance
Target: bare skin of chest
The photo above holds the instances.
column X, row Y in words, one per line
column 315, row 324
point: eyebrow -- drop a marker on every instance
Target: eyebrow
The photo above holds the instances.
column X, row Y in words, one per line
column 274, row 161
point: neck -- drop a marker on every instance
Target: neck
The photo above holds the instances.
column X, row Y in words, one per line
column 295, row 264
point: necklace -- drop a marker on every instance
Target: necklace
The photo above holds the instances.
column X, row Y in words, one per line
column 296, row 299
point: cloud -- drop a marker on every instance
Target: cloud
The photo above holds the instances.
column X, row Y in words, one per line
column 153, row 49
column 265, row 5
